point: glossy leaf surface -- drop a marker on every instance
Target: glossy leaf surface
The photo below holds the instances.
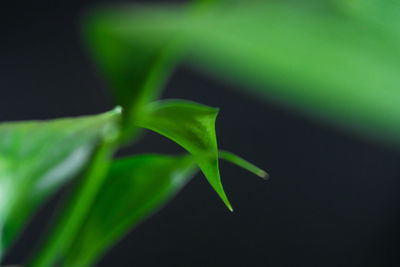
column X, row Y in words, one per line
column 192, row 126
column 135, row 187
column 38, row 157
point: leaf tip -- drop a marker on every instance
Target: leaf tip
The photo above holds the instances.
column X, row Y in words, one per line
column 223, row 196
column 263, row 174
column 228, row 205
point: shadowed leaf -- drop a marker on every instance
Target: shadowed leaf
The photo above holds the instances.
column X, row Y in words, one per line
column 135, row 187
column 38, row 157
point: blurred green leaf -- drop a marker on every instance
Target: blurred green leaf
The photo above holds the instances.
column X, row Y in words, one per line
column 192, row 126
column 383, row 14
column 38, row 157
column 135, row 187
column 74, row 209
column 335, row 60
column 135, row 72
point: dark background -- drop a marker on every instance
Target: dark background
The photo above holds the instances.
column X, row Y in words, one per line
column 332, row 199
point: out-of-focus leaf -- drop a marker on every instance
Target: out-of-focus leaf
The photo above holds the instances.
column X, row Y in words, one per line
column 72, row 214
column 136, row 73
column 134, row 188
column 383, row 14
column 192, row 126
column 330, row 59
column 37, row 157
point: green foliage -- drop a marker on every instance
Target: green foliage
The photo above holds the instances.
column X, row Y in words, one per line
column 193, row 127
column 38, row 157
column 335, row 60
column 136, row 73
column 134, row 187
column 229, row 156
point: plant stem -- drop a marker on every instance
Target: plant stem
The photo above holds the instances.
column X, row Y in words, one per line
column 68, row 224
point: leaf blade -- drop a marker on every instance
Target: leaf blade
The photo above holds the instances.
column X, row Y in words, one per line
column 37, row 158
column 192, row 126
column 329, row 60
column 144, row 183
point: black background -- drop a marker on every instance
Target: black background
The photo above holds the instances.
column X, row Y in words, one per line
column 332, row 199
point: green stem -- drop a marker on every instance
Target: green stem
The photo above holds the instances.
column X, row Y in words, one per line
column 241, row 162
column 68, row 224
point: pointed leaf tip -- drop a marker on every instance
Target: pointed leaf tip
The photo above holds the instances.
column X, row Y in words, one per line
column 192, row 126
column 264, row 175
column 224, row 198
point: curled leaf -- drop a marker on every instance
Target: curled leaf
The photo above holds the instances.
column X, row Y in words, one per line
column 192, row 126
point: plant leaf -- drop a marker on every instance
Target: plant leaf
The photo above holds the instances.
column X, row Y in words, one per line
column 241, row 162
column 334, row 60
column 136, row 73
column 38, row 157
column 135, row 187
column 192, row 126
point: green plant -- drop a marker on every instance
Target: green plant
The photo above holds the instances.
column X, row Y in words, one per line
column 110, row 195
column 335, row 60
